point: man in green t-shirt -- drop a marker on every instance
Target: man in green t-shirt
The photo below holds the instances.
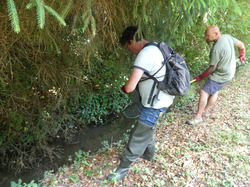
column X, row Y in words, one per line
column 221, row 70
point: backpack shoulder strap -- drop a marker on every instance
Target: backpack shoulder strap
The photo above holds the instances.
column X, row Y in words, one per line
column 152, row 44
column 158, row 46
column 166, row 52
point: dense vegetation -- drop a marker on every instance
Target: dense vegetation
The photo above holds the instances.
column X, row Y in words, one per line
column 61, row 65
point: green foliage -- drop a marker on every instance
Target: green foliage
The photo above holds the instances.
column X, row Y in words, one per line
column 31, row 4
column 81, row 158
column 74, row 178
column 235, row 24
column 103, row 97
column 13, row 15
column 88, row 18
column 92, row 108
column 105, row 144
column 19, row 184
column 40, row 14
column 41, row 6
column 14, row 184
column 176, row 18
column 54, row 13
column 66, row 10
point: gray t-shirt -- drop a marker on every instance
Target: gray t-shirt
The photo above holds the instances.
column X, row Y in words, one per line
column 150, row 60
column 223, row 55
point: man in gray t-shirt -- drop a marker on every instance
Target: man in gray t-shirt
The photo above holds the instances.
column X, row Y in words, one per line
column 221, row 70
column 223, row 56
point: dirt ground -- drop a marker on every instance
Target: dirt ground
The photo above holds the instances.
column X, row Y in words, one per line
column 214, row 153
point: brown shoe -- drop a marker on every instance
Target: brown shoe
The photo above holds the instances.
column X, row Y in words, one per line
column 194, row 121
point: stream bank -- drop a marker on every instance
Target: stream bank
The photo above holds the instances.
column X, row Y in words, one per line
column 91, row 140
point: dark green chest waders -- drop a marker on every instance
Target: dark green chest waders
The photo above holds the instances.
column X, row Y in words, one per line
column 141, row 144
column 133, row 110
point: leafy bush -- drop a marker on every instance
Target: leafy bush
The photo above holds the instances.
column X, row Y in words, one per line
column 57, row 112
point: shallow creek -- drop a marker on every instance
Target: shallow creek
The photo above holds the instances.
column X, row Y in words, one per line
column 91, row 140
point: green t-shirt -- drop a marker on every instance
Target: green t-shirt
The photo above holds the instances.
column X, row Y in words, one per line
column 223, row 55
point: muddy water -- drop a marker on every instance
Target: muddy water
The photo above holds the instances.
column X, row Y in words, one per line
column 91, row 140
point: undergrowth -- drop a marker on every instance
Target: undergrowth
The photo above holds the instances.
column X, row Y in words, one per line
column 214, row 153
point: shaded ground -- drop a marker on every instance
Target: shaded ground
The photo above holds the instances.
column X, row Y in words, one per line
column 214, row 153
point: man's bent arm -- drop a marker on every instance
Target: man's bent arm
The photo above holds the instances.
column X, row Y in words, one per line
column 211, row 69
column 133, row 80
column 242, row 50
column 240, row 45
column 205, row 73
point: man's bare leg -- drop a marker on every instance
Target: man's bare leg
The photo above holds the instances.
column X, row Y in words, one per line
column 211, row 100
column 203, row 103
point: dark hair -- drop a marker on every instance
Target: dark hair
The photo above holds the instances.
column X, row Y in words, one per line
column 129, row 33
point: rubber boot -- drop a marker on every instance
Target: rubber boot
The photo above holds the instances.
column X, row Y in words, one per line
column 141, row 142
column 140, row 138
column 150, row 150
column 121, row 171
column 149, row 153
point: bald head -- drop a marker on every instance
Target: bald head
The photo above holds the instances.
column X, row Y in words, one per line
column 212, row 33
column 213, row 28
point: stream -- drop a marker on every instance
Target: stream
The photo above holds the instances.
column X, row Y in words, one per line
column 91, row 140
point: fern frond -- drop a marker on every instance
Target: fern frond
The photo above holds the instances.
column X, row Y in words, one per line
column 84, row 15
column 237, row 9
column 54, row 13
column 86, row 23
column 93, row 25
column 135, row 10
column 31, row 4
column 88, row 18
column 203, row 3
column 66, row 9
column 40, row 14
column 13, row 16
column 144, row 3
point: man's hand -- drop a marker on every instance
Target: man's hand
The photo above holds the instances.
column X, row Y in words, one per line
column 132, row 81
column 201, row 76
column 123, row 90
column 242, row 54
